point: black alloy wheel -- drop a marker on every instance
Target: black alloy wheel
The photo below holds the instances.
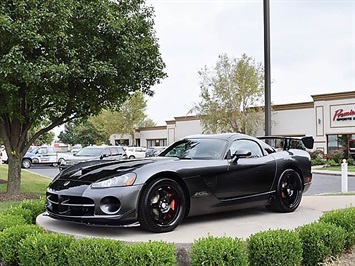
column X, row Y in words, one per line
column 161, row 206
column 288, row 193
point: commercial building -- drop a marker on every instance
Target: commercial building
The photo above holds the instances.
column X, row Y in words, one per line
column 329, row 118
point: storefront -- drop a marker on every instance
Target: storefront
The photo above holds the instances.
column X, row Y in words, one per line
column 329, row 118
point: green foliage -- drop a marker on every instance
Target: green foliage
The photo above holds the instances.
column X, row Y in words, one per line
column 229, row 94
column 275, row 247
column 345, row 219
column 331, row 162
column 45, row 249
column 155, row 253
column 320, row 241
column 66, row 60
column 219, row 251
column 317, row 161
column 84, row 133
column 9, row 220
column 337, row 156
column 94, row 251
column 316, row 154
column 10, row 242
column 350, row 161
column 18, row 211
column 36, row 207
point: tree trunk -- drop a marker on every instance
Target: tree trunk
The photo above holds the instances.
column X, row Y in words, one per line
column 14, row 174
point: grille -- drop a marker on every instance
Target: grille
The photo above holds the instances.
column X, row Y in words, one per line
column 70, row 205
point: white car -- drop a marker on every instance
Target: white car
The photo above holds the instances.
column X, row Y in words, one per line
column 3, row 156
column 135, row 152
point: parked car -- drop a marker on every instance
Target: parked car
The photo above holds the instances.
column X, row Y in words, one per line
column 197, row 175
column 76, row 148
column 40, row 155
column 154, row 151
column 135, row 152
column 3, row 155
column 94, row 153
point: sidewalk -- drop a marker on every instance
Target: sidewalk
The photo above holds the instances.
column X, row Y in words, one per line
column 319, row 170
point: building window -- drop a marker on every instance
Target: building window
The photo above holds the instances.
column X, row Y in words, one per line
column 157, row 142
column 340, row 143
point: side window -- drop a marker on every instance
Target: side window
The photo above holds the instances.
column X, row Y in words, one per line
column 106, row 153
column 244, row 144
column 114, row 151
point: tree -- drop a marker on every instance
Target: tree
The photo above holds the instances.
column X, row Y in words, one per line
column 131, row 116
column 66, row 60
column 229, row 96
column 84, row 133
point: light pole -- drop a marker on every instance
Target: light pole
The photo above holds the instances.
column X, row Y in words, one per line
column 267, row 68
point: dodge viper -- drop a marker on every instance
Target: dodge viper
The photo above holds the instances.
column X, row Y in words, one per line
column 196, row 175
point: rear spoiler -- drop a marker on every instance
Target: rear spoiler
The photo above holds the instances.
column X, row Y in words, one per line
column 289, row 142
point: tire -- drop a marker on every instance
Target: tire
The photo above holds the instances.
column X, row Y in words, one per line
column 26, row 163
column 288, row 192
column 161, row 206
column 132, row 157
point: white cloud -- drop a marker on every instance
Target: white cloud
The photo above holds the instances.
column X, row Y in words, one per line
column 312, row 47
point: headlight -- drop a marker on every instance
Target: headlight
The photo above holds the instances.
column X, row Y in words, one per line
column 117, row 181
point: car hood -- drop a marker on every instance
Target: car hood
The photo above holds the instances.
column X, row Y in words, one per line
column 92, row 171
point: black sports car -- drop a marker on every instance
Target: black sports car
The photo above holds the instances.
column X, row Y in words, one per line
column 197, row 175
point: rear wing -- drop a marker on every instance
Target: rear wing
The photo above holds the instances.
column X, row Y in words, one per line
column 286, row 143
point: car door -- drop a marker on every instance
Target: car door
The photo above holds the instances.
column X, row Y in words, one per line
column 246, row 176
column 117, row 153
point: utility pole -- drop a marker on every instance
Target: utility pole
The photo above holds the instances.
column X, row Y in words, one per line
column 267, row 68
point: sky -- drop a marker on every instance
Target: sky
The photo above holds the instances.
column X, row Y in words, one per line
column 312, row 47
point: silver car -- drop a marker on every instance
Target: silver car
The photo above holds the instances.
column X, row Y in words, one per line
column 95, row 153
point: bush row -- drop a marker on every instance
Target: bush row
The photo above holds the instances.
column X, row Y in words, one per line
column 336, row 158
column 23, row 243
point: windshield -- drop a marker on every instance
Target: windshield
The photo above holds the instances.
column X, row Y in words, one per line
column 89, row 151
column 196, row 149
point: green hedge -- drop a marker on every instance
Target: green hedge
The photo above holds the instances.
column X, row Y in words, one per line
column 9, row 220
column 219, row 251
column 45, row 249
column 275, row 247
column 94, row 252
column 25, row 244
column 320, row 241
column 28, row 209
column 10, row 241
column 153, row 253
column 344, row 218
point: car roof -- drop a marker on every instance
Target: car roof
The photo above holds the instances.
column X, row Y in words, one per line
column 226, row 136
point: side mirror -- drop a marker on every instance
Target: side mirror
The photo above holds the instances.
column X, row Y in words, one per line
column 240, row 154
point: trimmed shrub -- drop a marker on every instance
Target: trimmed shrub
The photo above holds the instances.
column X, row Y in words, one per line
column 317, row 161
column 219, row 251
column 36, row 207
column 320, row 241
column 275, row 247
column 337, row 156
column 316, row 154
column 26, row 214
column 45, row 249
column 350, row 161
column 331, row 162
column 10, row 240
column 9, row 220
column 345, row 219
column 94, row 251
column 152, row 253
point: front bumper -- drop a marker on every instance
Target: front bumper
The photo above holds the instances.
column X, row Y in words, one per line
column 104, row 206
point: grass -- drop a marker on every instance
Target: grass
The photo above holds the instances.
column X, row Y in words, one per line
column 351, row 168
column 30, row 184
